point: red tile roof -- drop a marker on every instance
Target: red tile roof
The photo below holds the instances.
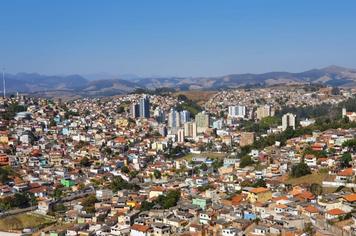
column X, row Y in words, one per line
column 141, row 228
column 335, row 211
column 351, row 197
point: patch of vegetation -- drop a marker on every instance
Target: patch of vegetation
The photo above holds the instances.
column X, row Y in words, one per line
column 118, row 183
column 187, row 104
column 300, row 170
column 246, row 161
column 18, row 200
column 21, row 221
column 165, row 201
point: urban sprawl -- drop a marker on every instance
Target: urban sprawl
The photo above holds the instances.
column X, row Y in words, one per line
column 259, row 161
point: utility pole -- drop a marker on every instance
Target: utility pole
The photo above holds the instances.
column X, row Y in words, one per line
column 3, row 82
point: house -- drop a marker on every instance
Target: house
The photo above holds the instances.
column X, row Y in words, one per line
column 156, row 191
column 280, row 208
column 201, row 202
column 44, row 207
column 350, row 198
column 310, row 160
column 206, row 217
column 259, row 194
column 334, row 213
column 230, row 232
column 311, row 210
column 140, row 230
column 344, row 176
column 160, row 229
column 261, row 230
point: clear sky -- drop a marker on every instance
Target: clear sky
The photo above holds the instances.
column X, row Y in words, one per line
column 175, row 37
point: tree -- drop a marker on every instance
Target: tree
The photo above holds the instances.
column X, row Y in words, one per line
column 204, row 167
column 118, row 183
column 246, row 161
column 85, row 162
column 300, row 169
column 58, row 193
column 345, row 160
column 157, row 174
column 259, row 183
column 351, row 144
column 146, row 206
column 21, row 200
column 4, row 175
column 125, row 169
column 316, row 189
column 89, row 203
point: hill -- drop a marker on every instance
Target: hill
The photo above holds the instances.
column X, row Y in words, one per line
column 76, row 85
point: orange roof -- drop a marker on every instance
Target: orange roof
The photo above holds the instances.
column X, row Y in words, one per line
column 157, row 188
column 309, row 156
column 120, row 140
column 282, row 206
column 306, row 195
column 335, row 211
column 275, row 199
column 141, row 228
column 311, row 209
column 236, row 199
column 259, row 190
column 346, row 172
column 351, row 197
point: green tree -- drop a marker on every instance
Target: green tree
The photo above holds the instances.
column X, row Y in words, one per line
column 345, row 160
column 259, row 183
column 85, row 162
column 118, row 183
column 57, row 193
column 157, row 174
column 300, row 169
column 246, row 161
column 88, row 203
column 316, row 189
column 125, row 169
column 146, row 206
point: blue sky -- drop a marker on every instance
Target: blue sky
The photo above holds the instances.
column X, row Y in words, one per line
column 175, row 37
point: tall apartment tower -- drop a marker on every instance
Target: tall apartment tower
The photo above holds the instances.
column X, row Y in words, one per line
column 190, row 129
column 264, row 111
column 288, row 120
column 237, row 111
column 202, row 121
column 180, row 134
column 184, row 116
column 144, row 107
column 174, row 120
column 135, row 110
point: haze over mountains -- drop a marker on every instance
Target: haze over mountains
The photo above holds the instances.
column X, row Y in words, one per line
column 78, row 85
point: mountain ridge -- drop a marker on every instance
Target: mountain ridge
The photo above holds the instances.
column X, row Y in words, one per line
column 76, row 84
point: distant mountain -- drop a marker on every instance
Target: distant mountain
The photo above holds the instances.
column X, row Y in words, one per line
column 332, row 75
column 77, row 85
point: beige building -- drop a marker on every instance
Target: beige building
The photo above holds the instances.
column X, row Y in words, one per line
column 190, row 129
column 202, row 120
column 247, row 138
column 264, row 111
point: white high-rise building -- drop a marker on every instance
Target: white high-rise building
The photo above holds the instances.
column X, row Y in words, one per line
column 174, row 119
column 237, row 111
column 180, row 135
column 184, row 116
column 160, row 115
column 288, row 120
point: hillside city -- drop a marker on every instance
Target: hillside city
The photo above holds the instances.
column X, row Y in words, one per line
column 278, row 160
